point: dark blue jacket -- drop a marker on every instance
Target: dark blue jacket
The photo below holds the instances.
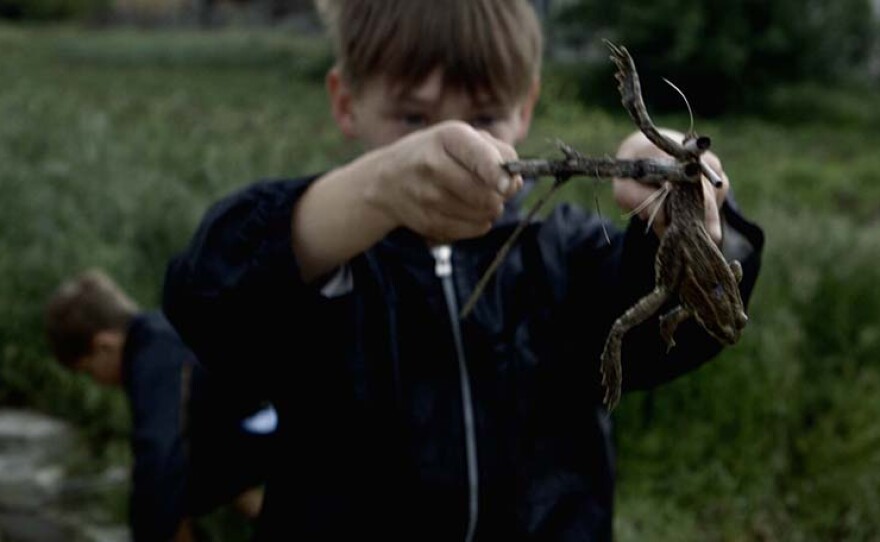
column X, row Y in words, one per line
column 396, row 421
column 191, row 453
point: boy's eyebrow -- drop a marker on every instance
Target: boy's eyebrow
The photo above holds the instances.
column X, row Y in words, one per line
column 488, row 102
column 407, row 99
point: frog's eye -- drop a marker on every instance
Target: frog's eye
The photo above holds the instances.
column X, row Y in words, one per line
column 718, row 291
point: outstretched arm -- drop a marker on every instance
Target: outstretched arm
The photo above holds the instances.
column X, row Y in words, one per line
column 160, row 463
column 247, row 273
column 444, row 183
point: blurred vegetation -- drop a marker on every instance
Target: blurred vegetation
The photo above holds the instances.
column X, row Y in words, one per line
column 113, row 143
column 725, row 53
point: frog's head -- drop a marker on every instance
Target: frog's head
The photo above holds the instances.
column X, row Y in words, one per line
column 718, row 307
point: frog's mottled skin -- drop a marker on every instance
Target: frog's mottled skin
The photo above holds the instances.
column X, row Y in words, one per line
column 688, row 263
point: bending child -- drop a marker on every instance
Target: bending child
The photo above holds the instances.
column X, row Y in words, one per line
column 192, row 446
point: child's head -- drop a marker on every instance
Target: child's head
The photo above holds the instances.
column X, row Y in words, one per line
column 86, row 322
column 405, row 64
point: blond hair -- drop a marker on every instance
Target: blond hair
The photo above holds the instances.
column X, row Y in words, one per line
column 80, row 308
column 492, row 46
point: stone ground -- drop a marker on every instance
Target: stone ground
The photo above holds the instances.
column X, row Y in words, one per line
column 40, row 500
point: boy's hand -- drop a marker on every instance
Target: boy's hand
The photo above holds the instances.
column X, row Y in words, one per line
column 445, row 182
column 629, row 194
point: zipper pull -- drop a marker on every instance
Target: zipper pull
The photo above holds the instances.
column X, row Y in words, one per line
column 443, row 260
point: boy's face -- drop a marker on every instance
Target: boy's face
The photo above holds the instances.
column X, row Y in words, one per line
column 379, row 113
column 104, row 362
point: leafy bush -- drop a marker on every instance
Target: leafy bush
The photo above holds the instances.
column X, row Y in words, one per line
column 729, row 52
column 814, row 102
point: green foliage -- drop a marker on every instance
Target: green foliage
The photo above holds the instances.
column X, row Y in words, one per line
column 727, row 53
column 285, row 54
column 51, row 10
column 775, row 440
column 814, row 102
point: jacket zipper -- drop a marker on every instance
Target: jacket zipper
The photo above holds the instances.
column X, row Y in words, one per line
column 443, row 269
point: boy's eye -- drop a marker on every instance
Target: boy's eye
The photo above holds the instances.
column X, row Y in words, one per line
column 483, row 121
column 414, row 120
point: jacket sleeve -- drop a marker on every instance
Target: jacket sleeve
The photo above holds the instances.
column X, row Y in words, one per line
column 596, row 282
column 236, row 289
column 159, row 477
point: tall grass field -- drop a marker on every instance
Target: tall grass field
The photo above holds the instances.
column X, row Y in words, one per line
column 113, row 143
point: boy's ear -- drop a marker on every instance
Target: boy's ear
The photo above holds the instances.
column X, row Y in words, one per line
column 527, row 108
column 340, row 101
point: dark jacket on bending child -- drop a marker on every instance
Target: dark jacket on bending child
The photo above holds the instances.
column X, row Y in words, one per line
column 397, row 421
column 191, row 451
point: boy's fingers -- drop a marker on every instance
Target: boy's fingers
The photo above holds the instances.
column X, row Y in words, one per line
column 471, row 205
column 476, row 154
column 437, row 214
column 713, row 198
column 713, row 215
column 508, row 154
column 473, row 198
column 445, row 229
column 488, row 205
column 711, row 161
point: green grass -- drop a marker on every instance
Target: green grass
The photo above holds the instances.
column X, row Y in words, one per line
column 113, row 143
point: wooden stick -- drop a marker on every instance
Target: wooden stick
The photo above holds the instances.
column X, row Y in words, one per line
column 648, row 171
column 505, row 248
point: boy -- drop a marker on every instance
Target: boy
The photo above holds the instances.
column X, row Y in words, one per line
column 192, row 449
column 409, row 424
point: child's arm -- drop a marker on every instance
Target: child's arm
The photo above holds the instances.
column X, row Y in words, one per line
column 158, row 500
column 444, row 183
column 243, row 281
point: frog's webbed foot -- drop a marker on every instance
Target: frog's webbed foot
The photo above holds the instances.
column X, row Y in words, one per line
column 612, row 372
column 612, row 378
column 670, row 321
column 737, row 269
